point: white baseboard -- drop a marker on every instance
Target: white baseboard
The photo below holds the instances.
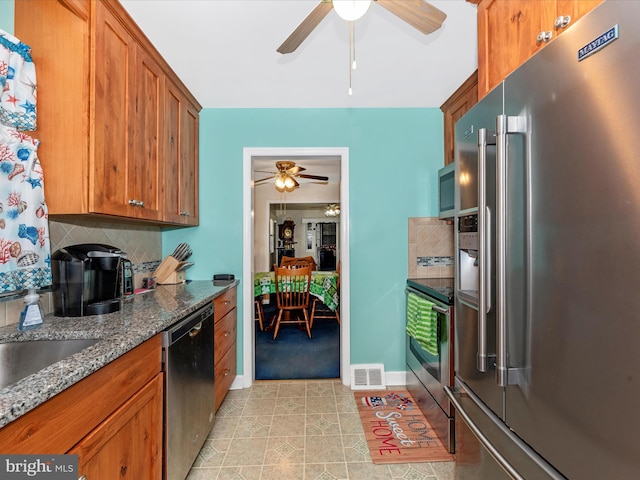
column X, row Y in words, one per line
column 397, row 379
column 238, row 383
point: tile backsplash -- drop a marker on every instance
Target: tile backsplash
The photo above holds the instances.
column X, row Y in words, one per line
column 143, row 244
column 430, row 248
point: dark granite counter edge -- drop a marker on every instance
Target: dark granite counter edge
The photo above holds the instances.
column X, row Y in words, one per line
column 140, row 318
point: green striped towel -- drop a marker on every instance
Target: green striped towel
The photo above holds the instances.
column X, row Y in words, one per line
column 422, row 322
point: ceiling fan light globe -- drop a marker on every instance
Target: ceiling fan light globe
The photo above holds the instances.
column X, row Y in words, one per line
column 351, row 10
column 280, row 183
column 289, row 184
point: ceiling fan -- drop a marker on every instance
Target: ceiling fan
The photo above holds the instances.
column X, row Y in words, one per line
column 419, row 14
column 285, row 177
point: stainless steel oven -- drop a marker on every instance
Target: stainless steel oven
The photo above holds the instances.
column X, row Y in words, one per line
column 430, row 369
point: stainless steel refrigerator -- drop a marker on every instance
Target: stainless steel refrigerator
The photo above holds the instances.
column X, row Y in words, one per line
column 547, row 324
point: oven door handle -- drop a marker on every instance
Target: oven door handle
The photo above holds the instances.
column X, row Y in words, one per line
column 444, row 311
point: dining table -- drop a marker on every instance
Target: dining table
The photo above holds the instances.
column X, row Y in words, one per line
column 324, row 285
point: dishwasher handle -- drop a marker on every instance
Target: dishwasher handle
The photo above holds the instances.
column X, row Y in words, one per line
column 195, row 330
column 190, row 325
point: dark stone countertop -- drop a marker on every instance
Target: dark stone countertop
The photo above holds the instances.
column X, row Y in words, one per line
column 140, row 318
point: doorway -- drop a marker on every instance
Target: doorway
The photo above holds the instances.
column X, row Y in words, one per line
column 255, row 225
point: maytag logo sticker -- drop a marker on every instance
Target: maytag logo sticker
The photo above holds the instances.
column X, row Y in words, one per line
column 598, row 43
column 39, row 467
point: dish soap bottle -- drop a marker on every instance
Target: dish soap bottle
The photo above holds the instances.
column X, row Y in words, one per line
column 32, row 315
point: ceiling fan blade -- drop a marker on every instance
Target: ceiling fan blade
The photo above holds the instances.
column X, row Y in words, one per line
column 255, row 182
column 417, row 13
column 265, row 171
column 313, row 177
column 303, row 30
column 295, row 170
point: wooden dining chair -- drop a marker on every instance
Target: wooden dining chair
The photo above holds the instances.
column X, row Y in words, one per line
column 292, row 296
column 297, row 262
column 320, row 310
column 259, row 313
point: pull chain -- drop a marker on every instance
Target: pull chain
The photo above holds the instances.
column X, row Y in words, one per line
column 352, row 55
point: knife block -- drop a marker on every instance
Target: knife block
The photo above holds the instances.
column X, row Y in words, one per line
column 170, row 272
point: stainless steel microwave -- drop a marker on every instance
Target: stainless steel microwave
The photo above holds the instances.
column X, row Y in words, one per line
column 446, row 191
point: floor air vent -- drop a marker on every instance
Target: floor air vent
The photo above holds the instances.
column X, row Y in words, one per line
column 367, row 376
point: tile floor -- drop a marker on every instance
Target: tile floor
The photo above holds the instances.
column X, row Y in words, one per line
column 296, row 430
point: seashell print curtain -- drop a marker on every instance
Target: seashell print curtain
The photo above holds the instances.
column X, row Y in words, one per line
column 25, row 254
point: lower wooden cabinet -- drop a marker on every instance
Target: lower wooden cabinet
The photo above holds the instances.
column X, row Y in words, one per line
column 225, row 372
column 112, row 419
column 128, row 444
column 225, row 314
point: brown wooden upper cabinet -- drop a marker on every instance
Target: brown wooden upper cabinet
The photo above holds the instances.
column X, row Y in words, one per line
column 459, row 103
column 104, row 94
column 510, row 31
column 181, row 137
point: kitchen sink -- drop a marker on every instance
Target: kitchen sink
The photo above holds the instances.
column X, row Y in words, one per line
column 21, row 359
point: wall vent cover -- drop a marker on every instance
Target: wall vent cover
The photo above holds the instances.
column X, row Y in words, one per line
column 367, row 376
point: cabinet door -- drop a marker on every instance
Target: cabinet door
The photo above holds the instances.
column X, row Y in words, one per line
column 115, row 60
column 181, row 187
column 58, row 33
column 575, row 9
column 508, row 33
column 465, row 97
column 507, row 36
column 128, row 444
column 225, row 372
column 147, row 168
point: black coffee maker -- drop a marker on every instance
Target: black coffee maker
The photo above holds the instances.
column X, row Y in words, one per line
column 87, row 280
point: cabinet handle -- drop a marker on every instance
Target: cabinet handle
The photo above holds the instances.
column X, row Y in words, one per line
column 544, row 37
column 227, row 372
column 136, row 203
column 562, row 21
column 83, row 477
column 227, row 333
column 185, row 214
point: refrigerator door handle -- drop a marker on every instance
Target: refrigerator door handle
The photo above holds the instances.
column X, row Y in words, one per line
column 505, row 125
column 484, row 230
column 495, row 453
column 493, row 435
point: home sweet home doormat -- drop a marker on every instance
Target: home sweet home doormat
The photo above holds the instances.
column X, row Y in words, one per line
column 395, row 429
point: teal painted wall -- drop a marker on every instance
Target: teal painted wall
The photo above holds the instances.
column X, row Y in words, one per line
column 6, row 15
column 394, row 155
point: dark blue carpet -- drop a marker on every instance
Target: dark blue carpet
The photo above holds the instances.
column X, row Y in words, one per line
column 295, row 356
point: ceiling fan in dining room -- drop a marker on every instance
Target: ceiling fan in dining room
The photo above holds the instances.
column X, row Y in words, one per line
column 286, row 174
column 418, row 13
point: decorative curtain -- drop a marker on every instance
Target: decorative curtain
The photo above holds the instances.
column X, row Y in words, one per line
column 25, row 255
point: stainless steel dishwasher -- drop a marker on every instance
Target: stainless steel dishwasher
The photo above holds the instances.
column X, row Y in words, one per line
column 189, row 390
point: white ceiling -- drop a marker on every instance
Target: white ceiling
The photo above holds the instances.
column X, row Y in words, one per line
column 225, row 53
